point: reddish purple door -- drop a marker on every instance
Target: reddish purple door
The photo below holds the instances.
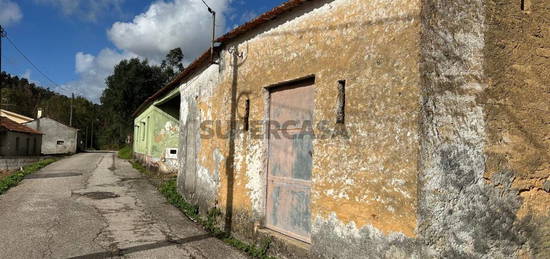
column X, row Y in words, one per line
column 290, row 160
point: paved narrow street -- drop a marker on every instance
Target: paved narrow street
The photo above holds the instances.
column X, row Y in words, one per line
column 96, row 206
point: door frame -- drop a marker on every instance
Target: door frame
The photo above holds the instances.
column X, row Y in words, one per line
column 268, row 90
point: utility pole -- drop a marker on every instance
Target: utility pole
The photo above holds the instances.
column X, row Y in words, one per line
column 86, row 140
column 71, row 117
column 92, row 135
column 2, row 35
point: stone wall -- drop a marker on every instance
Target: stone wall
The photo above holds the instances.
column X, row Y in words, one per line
column 484, row 129
column 15, row 163
column 517, row 119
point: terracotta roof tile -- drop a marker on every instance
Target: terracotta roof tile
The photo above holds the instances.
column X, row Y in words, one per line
column 16, row 127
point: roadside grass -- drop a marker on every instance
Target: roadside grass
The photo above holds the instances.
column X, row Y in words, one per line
column 168, row 188
column 125, row 152
column 13, row 180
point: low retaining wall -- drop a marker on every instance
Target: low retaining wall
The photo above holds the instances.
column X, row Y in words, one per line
column 14, row 163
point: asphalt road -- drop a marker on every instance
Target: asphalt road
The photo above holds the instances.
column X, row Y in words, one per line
column 94, row 205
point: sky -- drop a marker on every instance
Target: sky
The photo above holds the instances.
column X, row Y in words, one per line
column 76, row 43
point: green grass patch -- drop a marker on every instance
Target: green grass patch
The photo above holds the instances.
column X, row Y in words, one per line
column 126, row 152
column 14, row 179
column 169, row 190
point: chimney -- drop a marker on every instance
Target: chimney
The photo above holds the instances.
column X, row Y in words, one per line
column 38, row 116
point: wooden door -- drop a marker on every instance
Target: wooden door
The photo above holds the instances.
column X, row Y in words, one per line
column 290, row 160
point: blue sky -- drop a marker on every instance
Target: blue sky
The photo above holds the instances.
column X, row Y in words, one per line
column 77, row 42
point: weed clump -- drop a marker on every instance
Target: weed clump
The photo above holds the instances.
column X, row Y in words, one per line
column 14, row 179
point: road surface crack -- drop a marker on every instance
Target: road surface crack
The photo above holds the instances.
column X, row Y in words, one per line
column 50, row 236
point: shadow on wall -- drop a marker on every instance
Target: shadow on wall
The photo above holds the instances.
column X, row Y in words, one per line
column 229, row 166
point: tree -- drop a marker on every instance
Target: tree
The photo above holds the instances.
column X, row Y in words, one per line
column 131, row 83
column 21, row 96
column 172, row 64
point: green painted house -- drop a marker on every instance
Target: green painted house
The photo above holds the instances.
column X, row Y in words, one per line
column 156, row 131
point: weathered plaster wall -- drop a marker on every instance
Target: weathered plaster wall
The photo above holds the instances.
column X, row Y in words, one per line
column 199, row 176
column 484, row 153
column 371, row 197
column 517, row 114
column 157, row 132
column 446, row 153
column 53, row 132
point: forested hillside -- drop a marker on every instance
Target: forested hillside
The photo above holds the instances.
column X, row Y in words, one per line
column 130, row 84
column 23, row 97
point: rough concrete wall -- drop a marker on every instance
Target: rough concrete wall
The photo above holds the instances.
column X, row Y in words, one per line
column 517, row 115
column 8, row 144
column 162, row 133
column 364, row 186
column 53, row 132
column 198, row 180
column 476, row 154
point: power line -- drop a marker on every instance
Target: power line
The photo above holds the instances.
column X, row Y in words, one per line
column 59, row 87
column 30, row 62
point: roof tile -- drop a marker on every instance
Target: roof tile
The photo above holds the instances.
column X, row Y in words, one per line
column 16, row 127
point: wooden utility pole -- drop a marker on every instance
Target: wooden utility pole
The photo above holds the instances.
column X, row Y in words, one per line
column 71, row 116
column 86, row 140
column 92, row 135
column 2, row 35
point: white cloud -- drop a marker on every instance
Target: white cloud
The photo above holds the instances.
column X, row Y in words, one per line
column 92, row 72
column 10, row 13
column 89, row 10
column 164, row 26
column 27, row 75
column 170, row 24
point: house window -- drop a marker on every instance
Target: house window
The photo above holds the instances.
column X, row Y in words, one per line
column 341, row 102
column 143, row 131
column 60, row 142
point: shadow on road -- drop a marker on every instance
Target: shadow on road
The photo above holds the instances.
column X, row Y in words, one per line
column 135, row 249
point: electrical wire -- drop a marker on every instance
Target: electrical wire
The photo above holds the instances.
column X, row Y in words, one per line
column 30, row 62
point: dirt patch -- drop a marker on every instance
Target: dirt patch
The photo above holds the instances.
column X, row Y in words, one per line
column 4, row 174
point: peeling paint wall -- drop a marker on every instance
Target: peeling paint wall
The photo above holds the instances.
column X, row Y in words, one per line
column 366, row 182
column 199, row 176
column 517, row 115
column 155, row 132
column 444, row 151
column 485, row 130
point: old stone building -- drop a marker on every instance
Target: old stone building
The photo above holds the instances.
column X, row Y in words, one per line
column 18, row 140
column 58, row 138
column 376, row 129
